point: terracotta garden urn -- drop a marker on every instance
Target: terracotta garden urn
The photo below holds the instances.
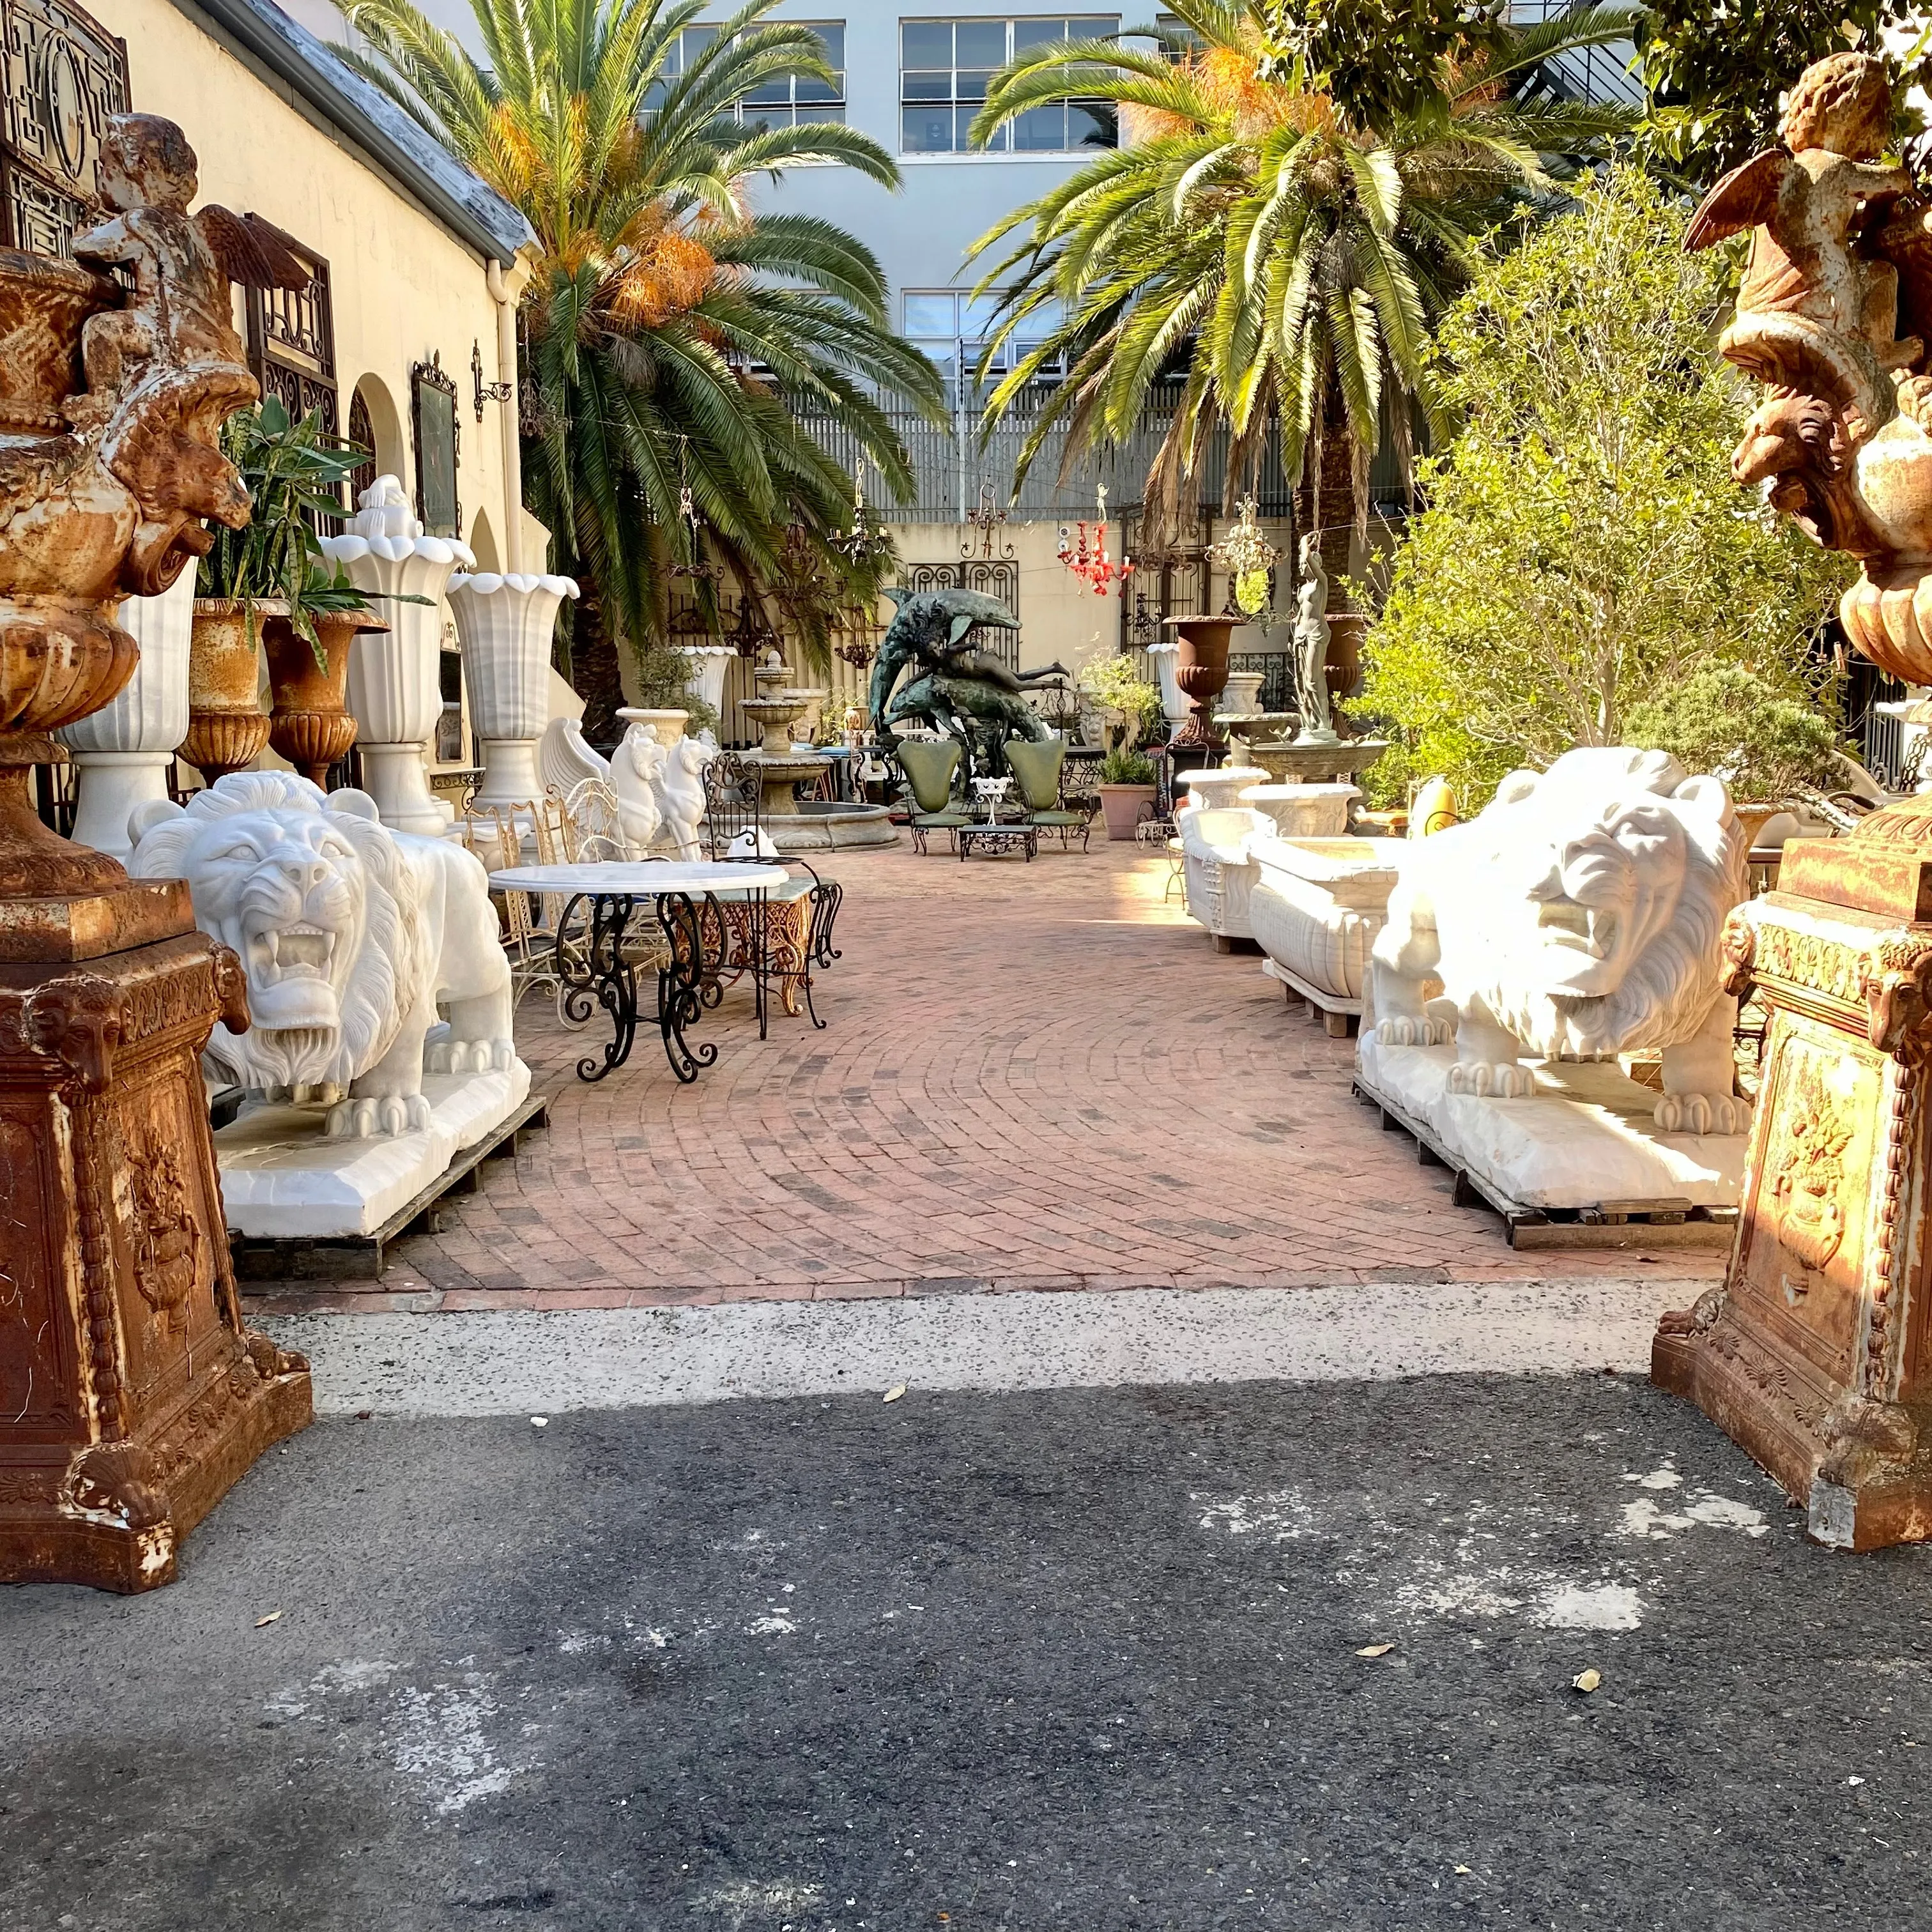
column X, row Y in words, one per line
column 1201, row 671
column 309, row 722
column 227, row 728
column 1121, row 809
column 395, row 677
column 122, row 753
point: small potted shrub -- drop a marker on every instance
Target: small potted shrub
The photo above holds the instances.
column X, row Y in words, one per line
column 267, row 583
column 1128, row 704
column 1769, row 748
column 1126, row 787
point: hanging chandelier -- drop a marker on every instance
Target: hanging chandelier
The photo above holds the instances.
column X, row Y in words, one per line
column 1089, row 561
column 865, row 542
column 1247, row 556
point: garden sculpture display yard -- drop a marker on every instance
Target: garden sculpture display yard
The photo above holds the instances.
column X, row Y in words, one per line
column 131, row 1394
column 954, row 688
column 1815, row 1351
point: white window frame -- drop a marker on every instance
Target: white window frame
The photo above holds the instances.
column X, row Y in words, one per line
column 961, row 108
column 701, row 33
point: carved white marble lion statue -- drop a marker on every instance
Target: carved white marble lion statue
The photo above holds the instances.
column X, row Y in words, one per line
column 1577, row 916
column 350, row 935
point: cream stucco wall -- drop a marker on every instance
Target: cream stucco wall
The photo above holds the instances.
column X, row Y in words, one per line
column 403, row 288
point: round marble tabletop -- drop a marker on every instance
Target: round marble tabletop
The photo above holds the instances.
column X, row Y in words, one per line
column 643, row 880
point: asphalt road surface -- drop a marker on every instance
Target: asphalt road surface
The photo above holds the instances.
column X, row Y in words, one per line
column 1082, row 1658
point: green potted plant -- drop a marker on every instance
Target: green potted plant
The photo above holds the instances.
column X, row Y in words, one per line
column 1126, row 787
column 267, row 583
column 1126, row 702
column 1770, row 749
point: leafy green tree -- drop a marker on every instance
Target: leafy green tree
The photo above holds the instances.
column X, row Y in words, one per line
column 671, row 341
column 1717, row 70
column 1768, row 747
column 1286, row 261
column 1584, row 549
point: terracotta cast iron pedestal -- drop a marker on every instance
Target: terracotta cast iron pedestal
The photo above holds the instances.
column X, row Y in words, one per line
column 131, row 1395
column 1815, row 1354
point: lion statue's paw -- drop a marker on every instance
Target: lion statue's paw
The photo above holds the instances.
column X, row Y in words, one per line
column 373, row 1116
column 470, row 1056
column 1402, row 1029
column 1491, row 1079
column 1702, row 1113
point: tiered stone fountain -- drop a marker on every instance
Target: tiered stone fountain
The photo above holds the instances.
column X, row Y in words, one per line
column 814, row 823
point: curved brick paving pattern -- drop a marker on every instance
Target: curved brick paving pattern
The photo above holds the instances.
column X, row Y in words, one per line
column 1033, row 1077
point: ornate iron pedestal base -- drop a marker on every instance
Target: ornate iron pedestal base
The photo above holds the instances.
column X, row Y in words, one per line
column 1815, row 1354
column 131, row 1395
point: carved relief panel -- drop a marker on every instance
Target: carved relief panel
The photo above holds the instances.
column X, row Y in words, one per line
column 36, row 1344
column 1809, row 1228
column 63, row 75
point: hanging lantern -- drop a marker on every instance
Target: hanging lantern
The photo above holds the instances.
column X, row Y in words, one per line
column 1091, row 562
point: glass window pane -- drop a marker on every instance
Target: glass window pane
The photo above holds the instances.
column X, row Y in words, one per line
column 964, row 143
column 925, row 43
column 975, row 314
column 971, row 85
column 1037, row 33
column 1041, row 130
column 927, row 86
column 926, row 130
column 1094, row 27
column 930, row 315
column 1092, row 123
column 694, row 40
column 833, row 33
column 817, row 90
column 770, row 90
column 940, row 350
column 981, row 44
column 835, row 113
column 767, row 117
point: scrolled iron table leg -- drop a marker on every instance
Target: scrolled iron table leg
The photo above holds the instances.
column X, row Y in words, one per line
column 681, row 983
column 612, row 979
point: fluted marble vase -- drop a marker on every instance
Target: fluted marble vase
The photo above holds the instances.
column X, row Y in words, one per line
column 505, row 624
column 122, row 753
column 1165, row 656
column 708, row 663
column 395, row 688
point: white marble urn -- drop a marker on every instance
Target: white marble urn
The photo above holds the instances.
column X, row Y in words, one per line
column 395, row 687
column 121, row 753
column 505, row 624
column 1165, row 657
column 708, row 664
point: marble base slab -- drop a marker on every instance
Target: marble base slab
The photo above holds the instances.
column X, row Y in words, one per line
column 1585, row 1138
column 281, row 1177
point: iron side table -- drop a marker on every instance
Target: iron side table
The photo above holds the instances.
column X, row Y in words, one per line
column 600, row 973
column 998, row 837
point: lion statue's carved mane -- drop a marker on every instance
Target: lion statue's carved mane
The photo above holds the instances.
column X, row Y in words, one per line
column 1578, row 916
column 349, row 934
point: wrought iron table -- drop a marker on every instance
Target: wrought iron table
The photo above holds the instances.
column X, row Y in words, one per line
column 998, row 837
column 594, row 969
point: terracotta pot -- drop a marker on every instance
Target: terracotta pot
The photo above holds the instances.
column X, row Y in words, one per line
column 1120, row 809
column 309, row 723
column 1201, row 671
column 1754, row 818
column 227, row 727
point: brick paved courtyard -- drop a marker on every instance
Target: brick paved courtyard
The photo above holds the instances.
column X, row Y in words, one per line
column 1035, row 1076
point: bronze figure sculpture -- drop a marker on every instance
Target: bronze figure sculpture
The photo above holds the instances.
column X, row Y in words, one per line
column 132, row 1395
column 954, row 689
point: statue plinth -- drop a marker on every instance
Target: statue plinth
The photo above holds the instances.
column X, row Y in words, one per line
column 131, row 1395
column 1815, row 1354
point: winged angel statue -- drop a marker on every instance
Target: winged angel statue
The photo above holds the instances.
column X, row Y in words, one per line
column 1835, row 316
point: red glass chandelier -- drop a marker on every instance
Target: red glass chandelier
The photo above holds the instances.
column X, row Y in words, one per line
column 1088, row 559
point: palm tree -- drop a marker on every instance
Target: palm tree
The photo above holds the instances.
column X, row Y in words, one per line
column 674, row 347
column 1287, row 264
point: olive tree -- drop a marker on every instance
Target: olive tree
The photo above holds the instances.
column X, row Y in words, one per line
column 1584, row 547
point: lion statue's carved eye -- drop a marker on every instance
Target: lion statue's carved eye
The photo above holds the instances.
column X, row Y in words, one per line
column 242, row 850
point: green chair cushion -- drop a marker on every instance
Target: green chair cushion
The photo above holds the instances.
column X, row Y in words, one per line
column 1056, row 818
column 929, row 766
column 1036, row 766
